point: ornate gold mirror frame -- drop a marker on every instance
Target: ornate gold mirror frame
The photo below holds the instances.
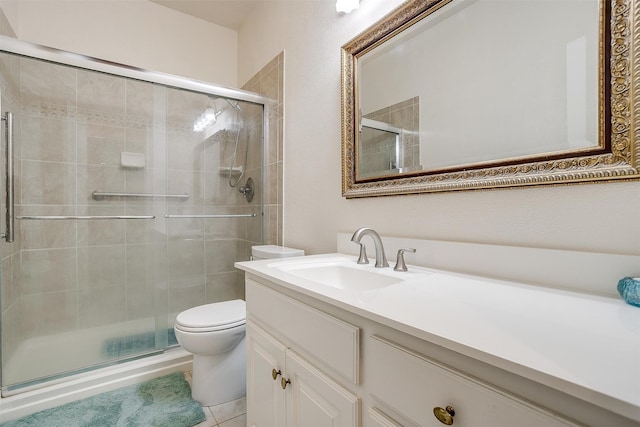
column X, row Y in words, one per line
column 619, row 158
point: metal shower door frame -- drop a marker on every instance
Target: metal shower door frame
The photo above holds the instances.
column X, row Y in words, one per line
column 24, row 49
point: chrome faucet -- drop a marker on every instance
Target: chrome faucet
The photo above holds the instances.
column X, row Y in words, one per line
column 381, row 258
column 400, row 264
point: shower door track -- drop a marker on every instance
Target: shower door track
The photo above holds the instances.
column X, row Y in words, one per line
column 54, row 379
column 23, row 48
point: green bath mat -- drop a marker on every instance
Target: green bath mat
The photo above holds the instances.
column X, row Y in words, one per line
column 164, row 401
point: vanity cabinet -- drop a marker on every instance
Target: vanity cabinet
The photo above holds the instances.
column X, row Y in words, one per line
column 339, row 368
column 283, row 387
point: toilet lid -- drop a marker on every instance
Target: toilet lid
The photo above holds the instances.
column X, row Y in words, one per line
column 211, row 317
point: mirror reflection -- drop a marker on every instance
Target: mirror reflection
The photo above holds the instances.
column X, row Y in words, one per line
column 390, row 141
column 479, row 82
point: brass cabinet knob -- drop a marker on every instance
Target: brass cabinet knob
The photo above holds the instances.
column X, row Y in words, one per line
column 275, row 373
column 284, row 382
column 444, row 415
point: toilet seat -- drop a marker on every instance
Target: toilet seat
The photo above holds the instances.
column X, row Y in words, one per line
column 212, row 317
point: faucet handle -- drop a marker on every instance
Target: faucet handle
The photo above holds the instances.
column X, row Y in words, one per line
column 362, row 259
column 400, row 265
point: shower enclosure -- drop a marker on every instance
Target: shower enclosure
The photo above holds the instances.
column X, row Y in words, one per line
column 129, row 196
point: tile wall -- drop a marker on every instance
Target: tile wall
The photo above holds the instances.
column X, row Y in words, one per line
column 5, row 27
column 270, row 82
column 376, row 154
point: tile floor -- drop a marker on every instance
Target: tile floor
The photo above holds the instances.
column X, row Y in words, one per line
column 230, row 414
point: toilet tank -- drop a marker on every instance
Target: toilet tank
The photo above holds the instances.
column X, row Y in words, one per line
column 273, row 251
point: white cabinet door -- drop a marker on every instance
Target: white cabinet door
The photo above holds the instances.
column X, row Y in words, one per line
column 265, row 396
column 315, row 400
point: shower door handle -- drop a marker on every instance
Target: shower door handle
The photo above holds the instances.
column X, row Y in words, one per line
column 8, row 234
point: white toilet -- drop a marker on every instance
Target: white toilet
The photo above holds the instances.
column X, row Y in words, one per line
column 272, row 251
column 215, row 333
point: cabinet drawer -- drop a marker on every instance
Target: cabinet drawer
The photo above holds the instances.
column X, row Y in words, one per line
column 332, row 343
column 414, row 385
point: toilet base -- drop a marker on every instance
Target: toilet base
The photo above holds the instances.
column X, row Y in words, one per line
column 220, row 379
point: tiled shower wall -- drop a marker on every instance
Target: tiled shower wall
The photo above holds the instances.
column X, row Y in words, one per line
column 5, row 27
column 71, row 128
column 270, row 82
column 406, row 116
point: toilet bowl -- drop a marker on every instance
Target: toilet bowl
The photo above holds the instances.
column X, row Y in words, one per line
column 215, row 335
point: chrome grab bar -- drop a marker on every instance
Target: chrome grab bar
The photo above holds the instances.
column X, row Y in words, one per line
column 81, row 217
column 213, row 216
column 98, row 195
column 8, row 235
column 98, row 217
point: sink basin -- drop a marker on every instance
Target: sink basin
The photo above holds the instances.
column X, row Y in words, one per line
column 341, row 274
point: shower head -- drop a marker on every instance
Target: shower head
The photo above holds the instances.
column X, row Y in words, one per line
column 208, row 117
column 234, row 104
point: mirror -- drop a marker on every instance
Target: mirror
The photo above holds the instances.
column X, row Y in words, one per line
column 444, row 95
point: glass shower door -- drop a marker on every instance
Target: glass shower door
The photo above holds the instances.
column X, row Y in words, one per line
column 83, row 282
column 133, row 200
column 214, row 146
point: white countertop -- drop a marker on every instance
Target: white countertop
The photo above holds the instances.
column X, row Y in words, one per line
column 586, row 346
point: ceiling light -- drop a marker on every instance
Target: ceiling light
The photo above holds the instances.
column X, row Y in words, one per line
column 347, row 6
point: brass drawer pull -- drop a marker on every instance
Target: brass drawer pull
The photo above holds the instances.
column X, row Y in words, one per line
column 275, row 373
column 444, row 415
column 284, row 382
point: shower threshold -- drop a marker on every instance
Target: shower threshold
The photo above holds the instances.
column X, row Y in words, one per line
column 40, row 360
column 86, row 384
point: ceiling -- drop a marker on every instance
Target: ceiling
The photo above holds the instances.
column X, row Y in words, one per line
column 227, row 13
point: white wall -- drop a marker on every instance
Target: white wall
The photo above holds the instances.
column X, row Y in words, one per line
column 591, row 217
column 133, row 32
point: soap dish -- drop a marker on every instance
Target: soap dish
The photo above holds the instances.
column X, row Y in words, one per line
column 629, row 290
